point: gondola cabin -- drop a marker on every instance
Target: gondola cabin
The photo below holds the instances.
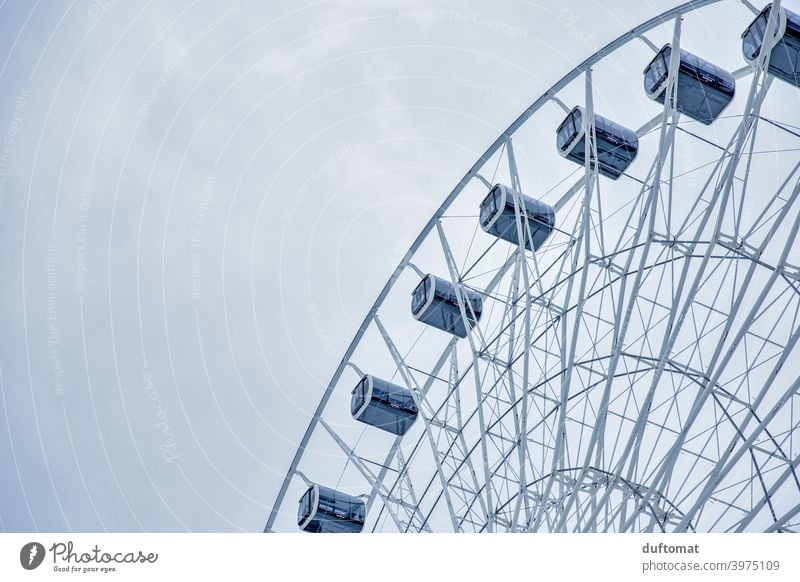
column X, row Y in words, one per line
column 325, row 510
column 784, row 60
column 434, row 302
column 383, row 405
column 704, row 89
column 616, row 145
column 498, row 217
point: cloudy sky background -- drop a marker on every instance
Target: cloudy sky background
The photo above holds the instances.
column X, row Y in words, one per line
column 199, row 203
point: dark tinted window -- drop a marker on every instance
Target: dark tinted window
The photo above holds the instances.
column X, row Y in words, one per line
column 569, row 129
column 359, row 395
column 754, row 36
column 657, row 71
column 489, row 205
column 304, row 507
column 419, row 296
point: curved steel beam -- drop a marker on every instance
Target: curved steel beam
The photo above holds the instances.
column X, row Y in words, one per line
column 549, row 95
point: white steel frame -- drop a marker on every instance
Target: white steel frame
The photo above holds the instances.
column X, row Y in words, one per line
column 509, row 462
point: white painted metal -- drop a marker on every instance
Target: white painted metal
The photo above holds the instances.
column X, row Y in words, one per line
column 605, row 388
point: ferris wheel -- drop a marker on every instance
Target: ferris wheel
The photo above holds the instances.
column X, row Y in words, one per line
column 597, row 330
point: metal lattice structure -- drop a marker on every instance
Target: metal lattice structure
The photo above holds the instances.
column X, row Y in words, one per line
column 635, row 372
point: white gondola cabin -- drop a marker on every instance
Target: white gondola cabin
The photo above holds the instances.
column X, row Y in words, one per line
column 616, row 145
column 434, row 302
column 784, row 60
column 383, row 405
column 498, row 217
column 704, row 89
column 325, row 510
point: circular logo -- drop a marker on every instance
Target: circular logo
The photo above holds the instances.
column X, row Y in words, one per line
column 31, row 555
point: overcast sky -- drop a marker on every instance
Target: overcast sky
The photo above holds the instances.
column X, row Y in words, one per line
column 199, row 202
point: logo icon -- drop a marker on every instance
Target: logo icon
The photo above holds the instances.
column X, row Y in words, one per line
column 31, row 555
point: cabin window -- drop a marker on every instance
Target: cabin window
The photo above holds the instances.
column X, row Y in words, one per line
column 359, row 395
column 304, row 507
column 420, row 295
column 656, row 72
column 754, row 35
column 490, row 205
column 569, row 129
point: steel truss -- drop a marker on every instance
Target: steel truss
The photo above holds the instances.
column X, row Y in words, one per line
column 629, row 376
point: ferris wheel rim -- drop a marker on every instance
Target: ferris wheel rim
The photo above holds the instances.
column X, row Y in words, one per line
column 473, row 173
